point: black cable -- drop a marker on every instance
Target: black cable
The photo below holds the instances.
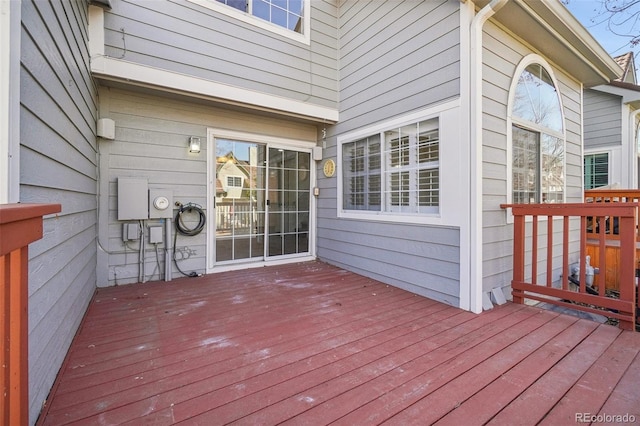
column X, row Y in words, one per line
column 190, row 274
column 183, row 229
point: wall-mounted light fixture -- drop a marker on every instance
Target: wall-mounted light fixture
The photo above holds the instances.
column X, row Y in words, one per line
column 194, row 145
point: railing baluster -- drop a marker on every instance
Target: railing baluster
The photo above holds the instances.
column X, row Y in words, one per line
column 518, row 256
column 549, row 251
column 534, row 250
column 624, row 308
column 601, row 278
column 565, row 253
column 583, row 254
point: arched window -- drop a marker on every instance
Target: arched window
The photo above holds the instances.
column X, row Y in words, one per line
column 537, row 136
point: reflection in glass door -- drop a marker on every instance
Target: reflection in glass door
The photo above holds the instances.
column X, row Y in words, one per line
column 288, row 202
column 239, row 200
column 256, row 192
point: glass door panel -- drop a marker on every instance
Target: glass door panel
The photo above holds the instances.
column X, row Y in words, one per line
column 289, row 186
column 240, row 200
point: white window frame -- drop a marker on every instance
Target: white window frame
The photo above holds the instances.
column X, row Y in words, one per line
column 448, row 118
column 609, row 155
column 524, row 63
column 234, row 178
column 232, row 12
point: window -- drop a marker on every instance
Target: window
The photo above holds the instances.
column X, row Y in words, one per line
column 288, row 14
column 234, row 181
column 394, row 171
column 537, row 139
column 596, row 170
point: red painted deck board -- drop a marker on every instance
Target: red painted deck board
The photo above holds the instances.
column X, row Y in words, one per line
column 329, row 391
column 490, row 400
column 313, row 344
column 535, row 402
column 586, row 394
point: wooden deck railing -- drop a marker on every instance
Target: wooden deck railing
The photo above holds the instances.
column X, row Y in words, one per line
column 606, row 196
column 528, row 236
column 611, row 229
column 20, row 224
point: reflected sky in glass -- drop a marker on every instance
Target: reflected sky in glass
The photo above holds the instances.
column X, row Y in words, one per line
column 536, row 99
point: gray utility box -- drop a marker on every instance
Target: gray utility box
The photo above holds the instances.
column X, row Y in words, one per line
column 160, row 204
column 132, row 199
column 155, row 234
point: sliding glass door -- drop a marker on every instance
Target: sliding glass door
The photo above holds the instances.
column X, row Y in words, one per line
column 261, row 207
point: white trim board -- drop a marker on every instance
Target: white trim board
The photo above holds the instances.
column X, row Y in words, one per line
column 10, row 16
column 141, row 75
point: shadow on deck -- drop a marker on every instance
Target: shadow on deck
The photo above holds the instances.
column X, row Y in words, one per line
column 313, row 344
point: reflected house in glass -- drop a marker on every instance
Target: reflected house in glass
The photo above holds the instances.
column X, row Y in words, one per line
column 233, row 177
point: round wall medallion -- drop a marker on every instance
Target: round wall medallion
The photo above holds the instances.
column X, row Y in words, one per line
column 329, row 168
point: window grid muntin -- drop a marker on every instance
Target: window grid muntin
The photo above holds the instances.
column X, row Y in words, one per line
column 526, row 149
column 596, row 170
column 361, row 173
column 287, row 14
column 234, row 181
column 411, row 177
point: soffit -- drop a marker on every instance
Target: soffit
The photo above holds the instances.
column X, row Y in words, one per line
column 552, row 30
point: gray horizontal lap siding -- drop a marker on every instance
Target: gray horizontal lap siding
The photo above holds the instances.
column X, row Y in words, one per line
column 57, row 165
column 501, row 54
column 184, row 37
column 390, row 66
column 396, row 57
column 151, row 143
column 602, row 119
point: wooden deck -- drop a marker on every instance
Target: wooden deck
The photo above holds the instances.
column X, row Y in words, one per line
column 313, row 344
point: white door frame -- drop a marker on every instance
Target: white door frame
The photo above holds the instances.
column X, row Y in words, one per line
column 269, row 142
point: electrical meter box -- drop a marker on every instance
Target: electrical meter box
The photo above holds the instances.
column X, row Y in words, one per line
column 132, row 199
column 160, row 203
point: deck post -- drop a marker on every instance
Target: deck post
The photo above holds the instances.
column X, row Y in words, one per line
column 628, row 268
column 20, row 224
column 518, row 257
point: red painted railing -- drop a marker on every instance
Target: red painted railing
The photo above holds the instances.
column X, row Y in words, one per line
column 537, row 242
column 607, row 196
column 20, row 224
column 610, row 228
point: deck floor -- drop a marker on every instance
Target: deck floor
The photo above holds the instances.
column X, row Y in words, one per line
column 312, row 344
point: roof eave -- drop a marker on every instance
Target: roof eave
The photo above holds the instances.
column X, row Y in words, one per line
column 549, row 27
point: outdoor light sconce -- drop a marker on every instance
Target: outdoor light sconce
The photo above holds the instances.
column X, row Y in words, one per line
column 194, row 145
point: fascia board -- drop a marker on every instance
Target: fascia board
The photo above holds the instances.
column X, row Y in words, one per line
column 550, row 28
column 104, row 67
column 587, row 44
column 628, row 96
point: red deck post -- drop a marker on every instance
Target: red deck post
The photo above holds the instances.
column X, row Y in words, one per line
column 518, row 257
column 20, row 224
column 628, row 268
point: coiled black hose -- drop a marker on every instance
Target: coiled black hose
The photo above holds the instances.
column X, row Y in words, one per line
column 183, row 229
